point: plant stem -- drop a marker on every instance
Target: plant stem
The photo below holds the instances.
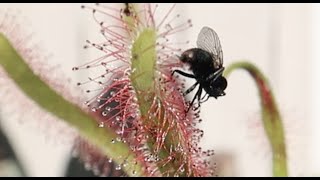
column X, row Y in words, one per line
column 270, row 115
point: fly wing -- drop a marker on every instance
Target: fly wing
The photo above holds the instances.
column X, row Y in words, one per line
column 208, row 40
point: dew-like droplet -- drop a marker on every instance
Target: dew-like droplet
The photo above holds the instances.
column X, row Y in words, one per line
column 110, row 160
column 118, row 118
column 136, row 114
column 112, row 93
column 119, row 132
column 125, row 163
column 94, row 109
column 96, row 171
column 113, row 141
column 104, row 113
column 101, row 124
column 118, row 167
column 146, row 98
column 87, row 166
column 135, row 99
column 108, row 109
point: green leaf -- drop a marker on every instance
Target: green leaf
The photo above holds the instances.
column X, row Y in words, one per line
column 270, row 116
column 37, row 90
column 143, row 65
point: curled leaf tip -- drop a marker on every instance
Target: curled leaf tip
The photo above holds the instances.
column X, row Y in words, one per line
column 271, row 117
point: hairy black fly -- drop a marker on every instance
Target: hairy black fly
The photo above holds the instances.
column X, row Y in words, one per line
column 206, row 63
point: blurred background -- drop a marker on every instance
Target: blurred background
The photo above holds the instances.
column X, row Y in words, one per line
column 281, row 39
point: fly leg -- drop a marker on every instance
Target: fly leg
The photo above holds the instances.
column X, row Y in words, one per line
column 190, row 76
column 206, row 99
column 191, row 88
column 183, row 74
column 206, row 95
column 194, row 98
column 199, row 92
column 199, row 95
column 186, row 75
column 217, row 74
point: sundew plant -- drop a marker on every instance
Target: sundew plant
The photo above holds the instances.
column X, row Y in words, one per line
column 136, row 116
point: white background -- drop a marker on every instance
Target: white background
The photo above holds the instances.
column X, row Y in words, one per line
column 281, row 39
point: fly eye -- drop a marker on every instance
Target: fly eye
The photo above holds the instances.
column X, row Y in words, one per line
column 224, row 83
